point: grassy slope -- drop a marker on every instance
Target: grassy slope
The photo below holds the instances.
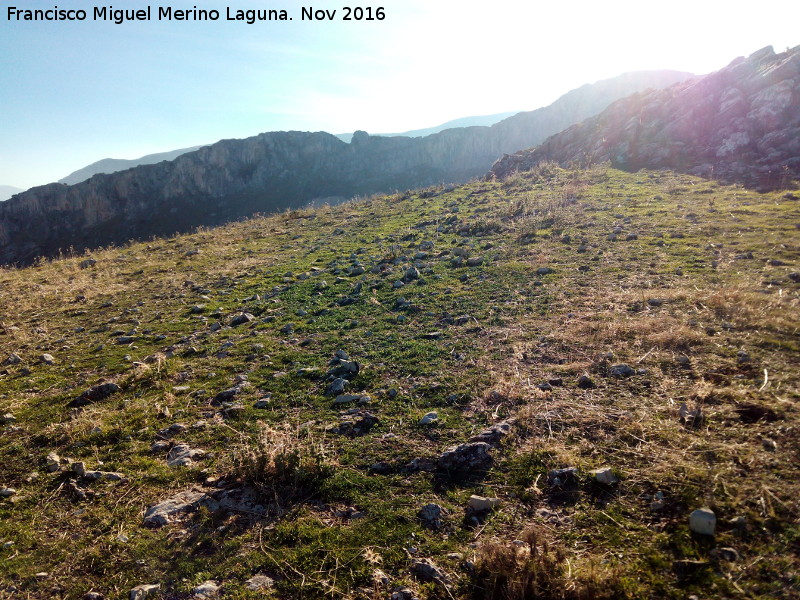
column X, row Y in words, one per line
column 523, row 329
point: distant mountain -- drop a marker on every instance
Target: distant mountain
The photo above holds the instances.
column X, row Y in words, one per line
column 6, row 191
column 112, row 165
column 741, row 123
column 462, row 122
column 273, row 171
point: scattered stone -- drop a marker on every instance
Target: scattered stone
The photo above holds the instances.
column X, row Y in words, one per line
column 585, row 382
column 168, row 510
column 429, row 418
column 359, row 423
column 7, row 419
column 89, row 262
column 141, row 592
column 703, row 521
column 465, row 458
column 47, row 359
column 207, row 589
column 567, row 477
column 13, row 359
column 96, row 394
column 475, row 261
column 426, row 570
column 655, row 302
column 93, row 596
column 545, row 386
column 481, row 504
column 241, row 319
column 431, row 516
column 604, row 476
column 172, row 430
column 622, row 370
column 259, row 582
column 125, row 339
column 262, row 403
column 226, row 395
column 183, row 455
column 403, row 593
column 544, row 271
column 337, row 387
column 7, row 492
column 288, row 328
column 494, row 434
column 52, row 462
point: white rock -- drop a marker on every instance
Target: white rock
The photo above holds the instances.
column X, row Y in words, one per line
column 140, row 592
column 207, row 589
column 53, row 462
column 703, row 521
column 259, row 582
column 604, row 476
column 429, row 418
column 479, row 503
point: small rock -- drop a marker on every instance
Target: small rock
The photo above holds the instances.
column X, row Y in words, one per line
column 604, row 476
column 431, row 417
column 481, row 504
column 140, row 592
column 585, row 382
column 466, row 458
column 7, row 492
column 13, row 359
column 242, row 318
column 259, row 582
column 96, row 394
column 658, row 502
column 166, row 511
column 182, row 455
column 52, row 462
column 431, row 516
column 426, row 570
column 544, row 271
column 566, row 477
column 337, row 387
column 7, row 419
column 403, row 593
column 207, row 589
column 622, row 370
column 703, row 521
column 47, row 359
column 93, row 596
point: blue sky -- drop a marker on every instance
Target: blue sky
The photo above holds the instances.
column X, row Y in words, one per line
column 72, row 93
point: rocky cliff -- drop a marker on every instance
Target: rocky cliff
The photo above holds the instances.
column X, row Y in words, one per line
column 739, row 124
column 272, row 171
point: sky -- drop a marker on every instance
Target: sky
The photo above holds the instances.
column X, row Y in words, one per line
column 74, row 92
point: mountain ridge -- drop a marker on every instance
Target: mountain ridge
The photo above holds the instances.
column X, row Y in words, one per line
column 273, row 171
column 738, row 124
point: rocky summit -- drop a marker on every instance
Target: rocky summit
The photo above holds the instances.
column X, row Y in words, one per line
column 739, row 124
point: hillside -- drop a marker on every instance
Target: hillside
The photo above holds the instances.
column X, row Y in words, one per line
column 741, row 123
column 112, row 165
column 272, row 171
column 304, row 405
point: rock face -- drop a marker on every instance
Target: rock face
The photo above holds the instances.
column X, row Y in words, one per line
column 739, row 124
column 274, row 171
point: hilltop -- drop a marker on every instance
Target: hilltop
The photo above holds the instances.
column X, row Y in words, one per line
column 515, row 388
